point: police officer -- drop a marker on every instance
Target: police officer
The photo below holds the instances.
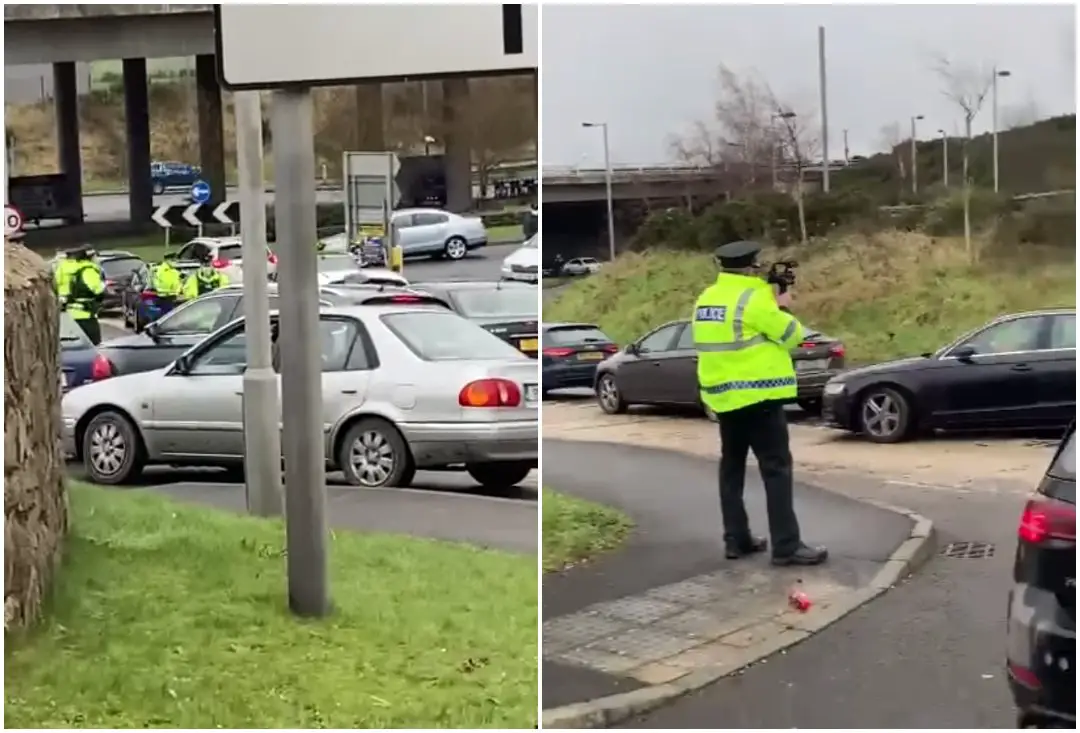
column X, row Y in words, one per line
column 743, row 342
column 166, row 281
column 81, row 288
column 204, row 280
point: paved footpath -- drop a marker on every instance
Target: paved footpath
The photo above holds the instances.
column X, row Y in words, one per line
column 668, row 606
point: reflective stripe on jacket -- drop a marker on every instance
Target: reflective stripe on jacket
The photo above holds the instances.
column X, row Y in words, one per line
column 743, row 342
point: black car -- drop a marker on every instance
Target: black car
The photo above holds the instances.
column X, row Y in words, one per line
column 570, row 353
column 1018, row 371
column 118, row 268
column 1041, row 636
column 161, row 342
column 660, row 368
column 510, row 310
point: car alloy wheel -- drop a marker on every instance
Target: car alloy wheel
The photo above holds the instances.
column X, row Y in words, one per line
column 884, row 415
column 373, row 454
column 159, row 189
column 372, row 458
column 607, row 392
column 456, row 248
column 108, row 449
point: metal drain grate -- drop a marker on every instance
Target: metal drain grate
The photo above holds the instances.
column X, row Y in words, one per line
column 967, row 550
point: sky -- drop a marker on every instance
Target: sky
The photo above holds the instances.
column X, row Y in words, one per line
column 650, row 71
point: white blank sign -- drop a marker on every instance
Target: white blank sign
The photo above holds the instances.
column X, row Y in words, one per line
column 268, row 46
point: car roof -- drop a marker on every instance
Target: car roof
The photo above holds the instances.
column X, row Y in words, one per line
column 422, row 210
column 116, row 254
column 216, row 241
column 1063, row 311
column 473, row 285
column 549, row 326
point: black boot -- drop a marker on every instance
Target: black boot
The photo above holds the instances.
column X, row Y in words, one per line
column 803, row 555
column 751, row 546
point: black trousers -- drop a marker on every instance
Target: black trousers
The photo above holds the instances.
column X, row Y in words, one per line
column 92, row 328
column 761, row 428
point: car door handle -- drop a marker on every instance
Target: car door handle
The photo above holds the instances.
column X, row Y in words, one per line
column 1021, row 367
column 348, row 391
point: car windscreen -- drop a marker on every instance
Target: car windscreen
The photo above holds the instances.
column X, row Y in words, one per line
column 444, row 336
column 496, row 302
column 574, row 336
column 71, row 335
column 231, row 252
column 121, row 266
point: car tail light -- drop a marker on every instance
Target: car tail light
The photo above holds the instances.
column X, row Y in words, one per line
column 836, row 350
column 611, row 348
column 147, row 295
column 110, row 283
column 490, row 393
column 558, row 352
column 1047, row 519
column 101, row 368
column 1024, row 676
column 219, row 264
column 271, row 258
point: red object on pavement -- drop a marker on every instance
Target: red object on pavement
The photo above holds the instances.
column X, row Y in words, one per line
column 799, row 600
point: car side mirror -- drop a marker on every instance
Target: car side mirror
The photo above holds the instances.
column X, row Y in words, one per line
column 964, row 353
column 152, row 330
column 182, row 366
column 170, row 256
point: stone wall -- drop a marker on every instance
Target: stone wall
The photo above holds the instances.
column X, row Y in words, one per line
column 35, row 500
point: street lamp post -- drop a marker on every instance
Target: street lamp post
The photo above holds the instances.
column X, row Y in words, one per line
column 847, row 157
column 994, row 108
column 945, row 155
column 914, row 157
column 607, row 181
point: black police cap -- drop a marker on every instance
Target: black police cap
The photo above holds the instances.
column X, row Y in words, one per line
column 737, row 254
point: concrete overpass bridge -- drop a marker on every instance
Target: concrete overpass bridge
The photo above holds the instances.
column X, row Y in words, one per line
column 64, row 35
column 629, row 183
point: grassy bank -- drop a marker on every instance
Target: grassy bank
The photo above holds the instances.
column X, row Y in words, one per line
column 171, row 616
column 575, row 530
column 887, row 295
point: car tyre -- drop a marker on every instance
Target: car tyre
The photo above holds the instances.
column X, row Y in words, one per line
column 504, row 475
column 609, row 396
column 374, row 455
column 885, row 415
column 159, row 188
column 112, row 449
column 456, row 248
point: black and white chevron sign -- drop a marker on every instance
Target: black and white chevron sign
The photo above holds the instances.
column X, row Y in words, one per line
column 196, row 215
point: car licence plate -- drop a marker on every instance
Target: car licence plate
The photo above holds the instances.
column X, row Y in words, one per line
column 528, row 344
column 530, row 393
column 590, row 356
column 811, row 365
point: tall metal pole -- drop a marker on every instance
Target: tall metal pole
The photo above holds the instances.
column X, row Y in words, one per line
column 994, row 123
column 610, row 198
column 824, row 110
column 914, row 157
column 262, row 415
column 847, row 157
column 945, row 156
column 301, row 365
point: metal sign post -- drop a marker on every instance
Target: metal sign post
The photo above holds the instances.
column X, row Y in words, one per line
column 370, row 192
column 262, row 413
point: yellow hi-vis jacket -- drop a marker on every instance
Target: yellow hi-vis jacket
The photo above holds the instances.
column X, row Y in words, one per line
column 743, row 342
column 80, row 287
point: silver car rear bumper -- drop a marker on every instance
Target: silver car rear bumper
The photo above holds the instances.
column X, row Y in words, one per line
column 436, row 445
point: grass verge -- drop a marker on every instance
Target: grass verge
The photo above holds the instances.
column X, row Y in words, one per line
column 887, row 295
column 171, row 616
column 576, row 530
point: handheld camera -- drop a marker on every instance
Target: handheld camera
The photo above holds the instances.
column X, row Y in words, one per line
column 782, row 274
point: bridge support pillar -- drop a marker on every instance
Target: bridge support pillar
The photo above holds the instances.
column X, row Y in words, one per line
column 370, row 124
column 137, row 119
column 458, row 158
column 66, row 99
column 211, row 126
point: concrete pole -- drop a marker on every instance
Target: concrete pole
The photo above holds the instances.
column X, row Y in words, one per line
column 847, row 158
column 945, row 155
column 301, row 365
column 211, row 126
column 262, row 413
column 137, row 121
column 66, row 100
column 824, row 110
column 914, row 157
column 610, row 196
column 994, row 123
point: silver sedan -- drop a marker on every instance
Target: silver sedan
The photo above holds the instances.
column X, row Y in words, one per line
column 405, row 387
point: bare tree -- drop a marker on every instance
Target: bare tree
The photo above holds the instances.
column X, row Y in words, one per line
column 800, row 144
column 966, row 87
column 891, row 137
column 500, row 121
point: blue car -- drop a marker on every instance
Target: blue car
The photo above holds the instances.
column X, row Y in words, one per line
column 139, row 303
column 80, row 361
column 171, row 174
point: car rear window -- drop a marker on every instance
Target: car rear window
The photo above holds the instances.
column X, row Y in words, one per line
column 231, row 252
column 121, row 266
column 1064, row 467
column 497, row 302
column 575, row 336
column 445, row 336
